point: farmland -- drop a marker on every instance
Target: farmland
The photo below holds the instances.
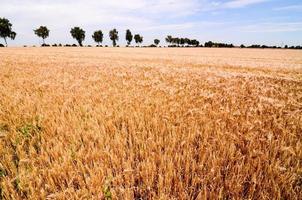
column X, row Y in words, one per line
column 162, row 123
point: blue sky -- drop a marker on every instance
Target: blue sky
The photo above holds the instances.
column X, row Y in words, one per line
column 270, row 22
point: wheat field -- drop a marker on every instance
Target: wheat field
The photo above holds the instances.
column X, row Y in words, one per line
column 141, row 123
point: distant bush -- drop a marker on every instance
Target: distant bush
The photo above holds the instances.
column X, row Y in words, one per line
column 106, row 45
column 181, row 42
column 45, row 45
column 74, row 45
column 218, row 45
column 257, row 46
column 1, row 45
column 54, row 45
column 295, row 47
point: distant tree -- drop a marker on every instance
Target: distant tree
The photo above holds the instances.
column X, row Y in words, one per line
column 242, row 46
column 197, row 43
column 156, row 42
column 177, row 41
column 129, row 36
column 182, row 41
column 141, row 39
column 169, row 39
column 286, row 46
column 113, row 34
column 174, row 40
column 138, row 39
column 98, row 36
column 42, row 32
column 187, row 41
column 78, row 34
column 6, row 30
column 194, row 43
column 209, row 44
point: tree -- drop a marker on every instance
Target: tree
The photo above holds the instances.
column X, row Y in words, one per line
column 6, row 30
column 187, row 41
column 195, row 43
column 129, row 36
column 141, row 39
column 177, row 41
column 98, row 36
column 113, row 34
column 209, row 44
column 78, row 34
column 156, row 42
column 169, row 39
column 182, row 41
column 138, row 39
column 173, row 41
column 42, row 32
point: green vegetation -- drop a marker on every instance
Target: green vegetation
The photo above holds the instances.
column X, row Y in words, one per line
column 42, row 32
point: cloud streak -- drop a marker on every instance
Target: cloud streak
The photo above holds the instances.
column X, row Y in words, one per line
column 273, row 27
column 241, row 3
column 289, row 8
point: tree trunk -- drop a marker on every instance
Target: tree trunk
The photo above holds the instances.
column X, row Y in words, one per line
column 5, row 41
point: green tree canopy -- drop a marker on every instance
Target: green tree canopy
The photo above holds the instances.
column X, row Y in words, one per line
column 138, row 39
column 129, row 36
column 6, row 30
column 156, row 41
column 113, row 34
column 42, row 32
column 169, row 39
column 78, row 34
column 98, row 36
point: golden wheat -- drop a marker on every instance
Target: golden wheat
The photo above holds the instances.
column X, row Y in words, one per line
column 119, row 123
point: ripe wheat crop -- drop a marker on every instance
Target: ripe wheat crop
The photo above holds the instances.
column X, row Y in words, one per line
column 119, row 123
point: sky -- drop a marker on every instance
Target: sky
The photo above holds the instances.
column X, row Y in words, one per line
column 269, row 22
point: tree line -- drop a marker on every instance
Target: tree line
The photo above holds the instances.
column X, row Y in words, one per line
column 177, row 42
column 79, row 35
column 257, row 46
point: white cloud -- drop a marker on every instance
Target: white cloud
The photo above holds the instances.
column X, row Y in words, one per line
column 230, row 4
column 289, row 8
column 241, row 3
column 273, row 27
